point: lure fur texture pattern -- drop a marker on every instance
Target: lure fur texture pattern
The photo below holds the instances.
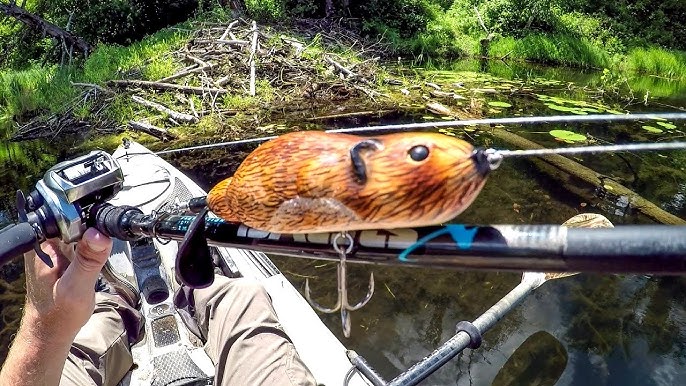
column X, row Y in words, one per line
column 311, row 181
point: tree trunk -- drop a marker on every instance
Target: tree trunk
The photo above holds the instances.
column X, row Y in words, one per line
column 37, row 23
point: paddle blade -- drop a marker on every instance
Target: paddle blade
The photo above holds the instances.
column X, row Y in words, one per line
column 540, row 361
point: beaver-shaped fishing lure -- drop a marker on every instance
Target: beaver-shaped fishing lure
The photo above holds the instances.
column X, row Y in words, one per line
column 306, row 182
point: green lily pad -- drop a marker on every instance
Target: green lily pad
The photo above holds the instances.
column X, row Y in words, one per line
column 558, row 107
column 567, row 136
column 667, row 125
column 652, row 129
column 578, row 111
column 499, row 104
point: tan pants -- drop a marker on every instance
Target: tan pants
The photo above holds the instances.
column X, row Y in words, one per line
column 244, row 339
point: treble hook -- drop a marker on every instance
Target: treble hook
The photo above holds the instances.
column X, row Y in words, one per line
column 342, row 302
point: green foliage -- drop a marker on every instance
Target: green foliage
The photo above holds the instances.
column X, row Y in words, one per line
column 658, row 62
column 28, row 90
column 150, row 57
column 97, row 21
column 556, row 49
column 118, row 21
column 266, row 10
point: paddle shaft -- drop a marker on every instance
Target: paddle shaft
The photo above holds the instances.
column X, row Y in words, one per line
column 461, row 340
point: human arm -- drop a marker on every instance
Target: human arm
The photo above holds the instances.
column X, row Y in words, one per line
column 59, row 301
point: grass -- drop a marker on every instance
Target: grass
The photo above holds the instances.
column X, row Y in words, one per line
column 558, row 49
column 38, row 88
column 49, row 89
column 657, row 62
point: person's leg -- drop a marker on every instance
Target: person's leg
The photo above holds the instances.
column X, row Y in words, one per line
column 244, row 338
column 100, row 354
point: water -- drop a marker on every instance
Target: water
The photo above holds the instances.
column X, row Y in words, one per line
column 611, row 329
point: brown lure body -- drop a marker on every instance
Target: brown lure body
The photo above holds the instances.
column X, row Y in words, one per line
column 309, row 181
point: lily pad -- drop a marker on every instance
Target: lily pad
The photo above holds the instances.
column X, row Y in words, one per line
column 652, row 129
column 499, row 104
column 567, row 136
column 558, row 107
column 667, row 125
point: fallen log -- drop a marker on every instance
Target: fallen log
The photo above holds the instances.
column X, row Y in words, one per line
column 124, row 83
column 175, row 115
column 37, row 23
column 157, row 132
column 576, row 173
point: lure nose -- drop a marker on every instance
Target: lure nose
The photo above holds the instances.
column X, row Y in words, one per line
column 481, row 161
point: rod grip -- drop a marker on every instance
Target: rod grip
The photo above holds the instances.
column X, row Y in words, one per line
column 16, row 240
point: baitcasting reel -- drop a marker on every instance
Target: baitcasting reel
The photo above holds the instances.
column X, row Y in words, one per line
column 60, row 204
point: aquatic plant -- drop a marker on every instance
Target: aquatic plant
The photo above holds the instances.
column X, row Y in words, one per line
column 567, row 136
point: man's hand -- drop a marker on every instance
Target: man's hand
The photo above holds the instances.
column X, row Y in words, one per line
column 59, row 301
column 64, row 295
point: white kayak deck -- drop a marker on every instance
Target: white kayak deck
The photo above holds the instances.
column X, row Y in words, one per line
column 150, row 182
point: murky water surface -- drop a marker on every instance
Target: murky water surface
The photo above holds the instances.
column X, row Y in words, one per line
column 590, row 329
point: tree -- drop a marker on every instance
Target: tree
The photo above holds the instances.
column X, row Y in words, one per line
column 35, row 22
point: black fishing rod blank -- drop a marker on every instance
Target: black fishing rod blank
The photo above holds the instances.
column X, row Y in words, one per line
column 654, row 249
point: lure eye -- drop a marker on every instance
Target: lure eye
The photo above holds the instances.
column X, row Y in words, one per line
column 418, row 153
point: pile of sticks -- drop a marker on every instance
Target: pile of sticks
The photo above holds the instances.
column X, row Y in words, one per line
column 240, row 58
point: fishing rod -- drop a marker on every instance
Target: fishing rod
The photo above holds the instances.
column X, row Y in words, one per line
column 656, row 249
column 461, row 123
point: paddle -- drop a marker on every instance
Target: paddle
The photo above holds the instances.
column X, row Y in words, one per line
column 462, row 339
column 539, row 360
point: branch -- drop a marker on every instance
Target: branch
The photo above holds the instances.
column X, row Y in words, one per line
column 157, row 132
column 37, row 23
column 177, row 116
column 478, row 15
column 252, row 58
column 340, row 67
column 181, row 74
column 164, row 86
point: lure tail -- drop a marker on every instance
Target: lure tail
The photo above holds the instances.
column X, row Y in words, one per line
column 218, row 202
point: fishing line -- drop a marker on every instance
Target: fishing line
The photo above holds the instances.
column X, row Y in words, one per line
column 469, row 122
column 494, row 156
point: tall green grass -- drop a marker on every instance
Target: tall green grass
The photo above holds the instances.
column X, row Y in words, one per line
column 658, row 62
column 38, row 88
column 49, row 89
column 557, row 49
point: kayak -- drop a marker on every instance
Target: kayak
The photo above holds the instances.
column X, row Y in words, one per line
column 169, row 352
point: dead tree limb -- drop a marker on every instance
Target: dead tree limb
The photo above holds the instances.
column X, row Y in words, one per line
column 579, row 172
column 37, row 23
column 339, row 67
column 227, row 32
column 253, row 49
column 157, row 132
column 194, row 70
column 175, row 115
column 125, row 83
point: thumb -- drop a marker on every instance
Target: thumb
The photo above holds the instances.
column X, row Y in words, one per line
column 91, row 254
